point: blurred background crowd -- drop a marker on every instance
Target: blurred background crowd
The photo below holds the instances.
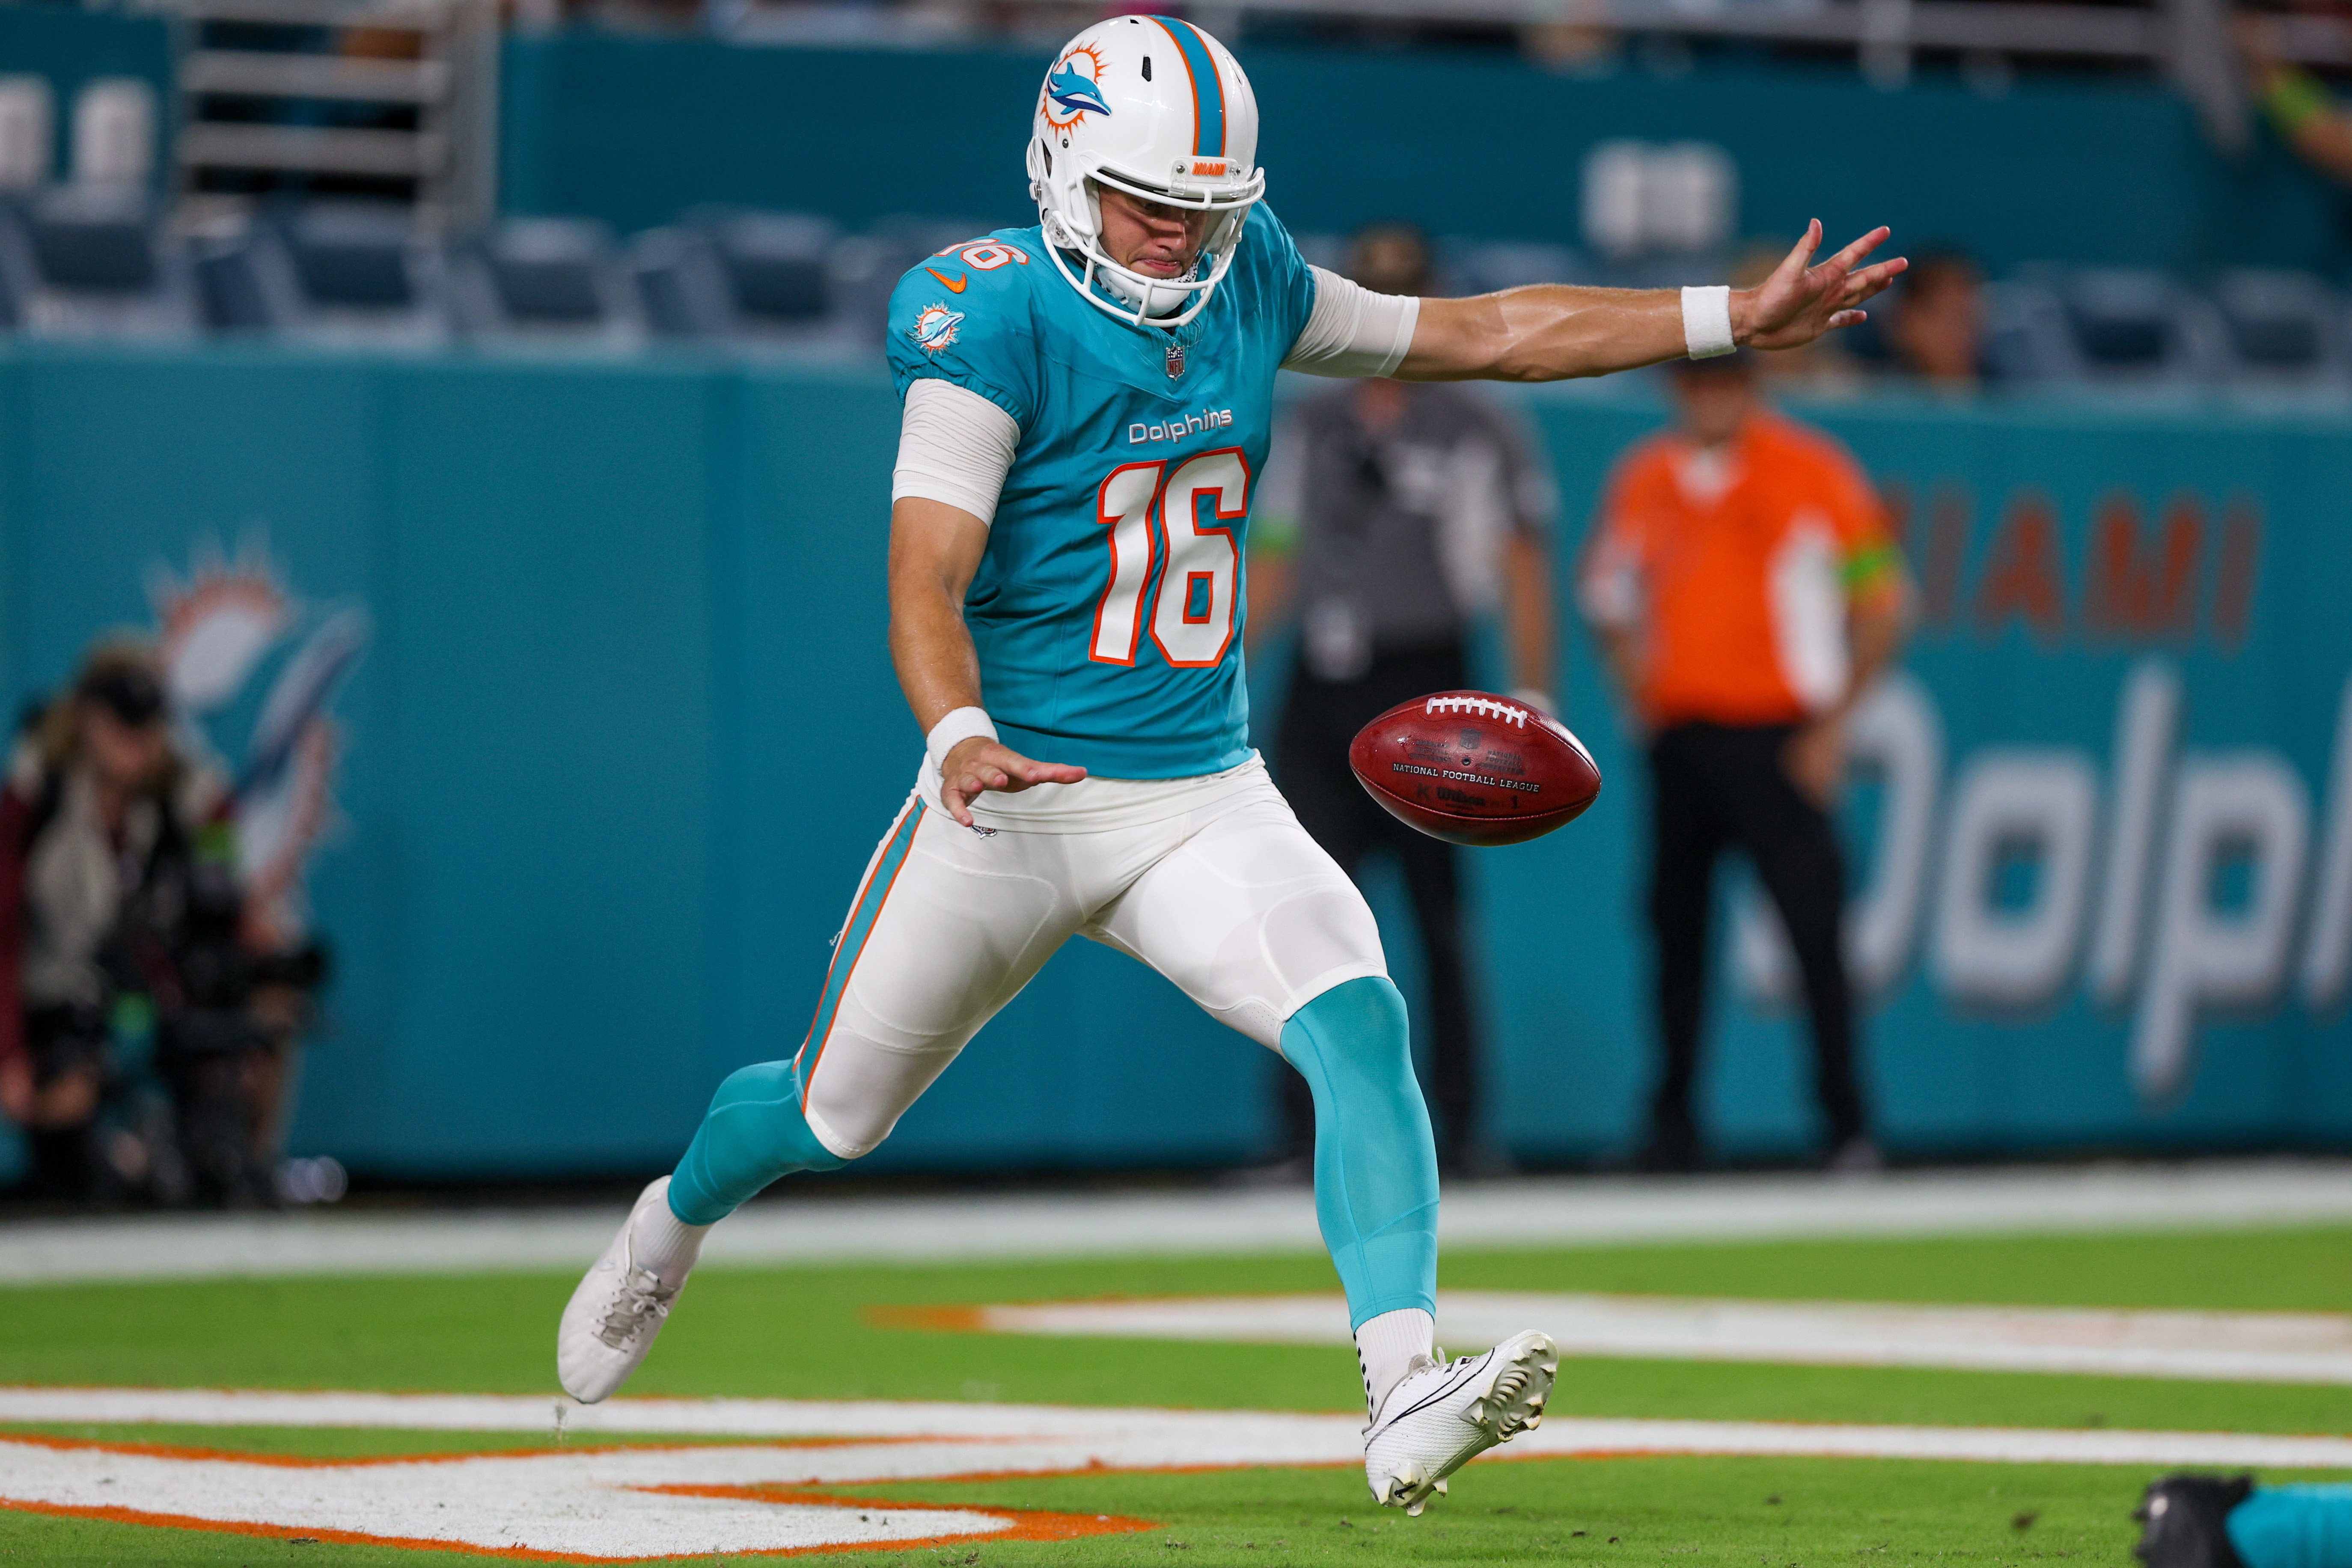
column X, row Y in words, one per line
column 2143, row 193
column 544, row 335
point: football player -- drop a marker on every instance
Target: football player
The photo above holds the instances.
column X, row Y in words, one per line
column 1087, row 405
column 2206, row 1522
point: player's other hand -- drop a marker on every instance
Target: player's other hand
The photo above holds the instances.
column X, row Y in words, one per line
column 1801, row 300
column 977, row 765
column 1814, row 760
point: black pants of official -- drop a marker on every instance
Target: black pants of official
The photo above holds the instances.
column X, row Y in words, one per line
column 1311, row 765
column 1715, row 787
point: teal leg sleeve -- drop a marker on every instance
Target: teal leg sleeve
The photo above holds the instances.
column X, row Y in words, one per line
column 2305, row 1526
column 752, row 1133
column 1375, row 1161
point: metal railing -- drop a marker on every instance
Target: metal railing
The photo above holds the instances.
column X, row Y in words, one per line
column 448, row 159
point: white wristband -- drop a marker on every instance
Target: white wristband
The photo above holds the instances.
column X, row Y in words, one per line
column 1706, row 321
column 960, row 724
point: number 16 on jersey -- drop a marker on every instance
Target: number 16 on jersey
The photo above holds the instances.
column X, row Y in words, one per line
column 1154, row 518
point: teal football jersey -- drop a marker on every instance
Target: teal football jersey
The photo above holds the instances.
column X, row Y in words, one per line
column 1108, row 611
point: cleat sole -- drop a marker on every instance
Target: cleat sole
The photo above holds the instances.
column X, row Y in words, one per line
column 1512, row 1403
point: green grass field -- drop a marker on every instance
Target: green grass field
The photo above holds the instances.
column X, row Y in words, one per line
column 828, row 1333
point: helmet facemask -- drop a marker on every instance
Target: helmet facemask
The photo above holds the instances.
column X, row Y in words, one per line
column 1077, row 226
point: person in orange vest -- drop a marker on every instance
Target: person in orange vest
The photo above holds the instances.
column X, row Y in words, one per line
column 1746, row 590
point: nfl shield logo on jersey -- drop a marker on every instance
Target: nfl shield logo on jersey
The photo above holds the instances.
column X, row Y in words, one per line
column 1175, row 361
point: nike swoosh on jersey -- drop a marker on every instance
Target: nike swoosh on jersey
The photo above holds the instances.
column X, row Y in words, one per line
column 955, row 285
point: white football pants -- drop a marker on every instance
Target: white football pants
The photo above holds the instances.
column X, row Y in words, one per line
column 1230, row 900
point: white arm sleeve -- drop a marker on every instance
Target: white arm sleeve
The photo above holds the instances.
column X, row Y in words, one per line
column 1353, row 330
column 954, row 445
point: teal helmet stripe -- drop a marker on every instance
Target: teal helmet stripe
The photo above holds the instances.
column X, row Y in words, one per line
column 1208, row 88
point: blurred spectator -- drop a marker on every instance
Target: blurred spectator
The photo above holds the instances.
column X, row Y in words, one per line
column 1572, row 45
column 1935, row 326
column 2307, row 116
column 140, row 1038
column 1745, row 591
column 1394, row 517
column 646, row 15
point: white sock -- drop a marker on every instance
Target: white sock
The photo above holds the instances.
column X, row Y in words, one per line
column 1386, row 1348
column 663, row 1243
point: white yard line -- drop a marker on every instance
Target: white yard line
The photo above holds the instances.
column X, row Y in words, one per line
column 606, row 1504
column 2224, row 1347
column 939, row 1439
column 1524, row 1213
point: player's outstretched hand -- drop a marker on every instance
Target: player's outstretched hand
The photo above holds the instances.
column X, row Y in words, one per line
column 977, row 765
column 1800, row 301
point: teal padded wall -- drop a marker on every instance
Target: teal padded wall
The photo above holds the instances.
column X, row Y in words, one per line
column 626, row 732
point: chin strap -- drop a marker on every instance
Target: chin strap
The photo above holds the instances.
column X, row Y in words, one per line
column 1130, row 312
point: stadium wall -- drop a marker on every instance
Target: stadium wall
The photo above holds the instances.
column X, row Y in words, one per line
column 72, row 47
column 626, row 733
column 633, row 129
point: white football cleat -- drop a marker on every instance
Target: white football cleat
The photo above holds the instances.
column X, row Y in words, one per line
column 611, row 1321
column 1434, row 1422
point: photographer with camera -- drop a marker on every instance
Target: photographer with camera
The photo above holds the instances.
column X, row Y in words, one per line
column 141, row 1036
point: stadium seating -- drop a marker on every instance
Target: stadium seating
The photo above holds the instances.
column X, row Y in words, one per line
column 331, row 272
column 2284, row 331
column 2114, row 329
column 79, row 260
column 746, row 277
column 1323, row 250
column 1478, row 269
column 866, row 267
column 28, row 128
column 90, row 260
column 548, row 281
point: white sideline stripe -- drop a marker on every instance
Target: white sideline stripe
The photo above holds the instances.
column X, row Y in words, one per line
column 1524, row 1213
column 986, row 1439
column 2225, row 1347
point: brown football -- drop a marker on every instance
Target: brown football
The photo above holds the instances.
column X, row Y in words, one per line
column 1474, row 768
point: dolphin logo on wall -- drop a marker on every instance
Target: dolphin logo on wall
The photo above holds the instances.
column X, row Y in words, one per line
column 215, row 630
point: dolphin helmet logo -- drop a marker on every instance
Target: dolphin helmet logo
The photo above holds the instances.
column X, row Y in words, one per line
column 1073, row 91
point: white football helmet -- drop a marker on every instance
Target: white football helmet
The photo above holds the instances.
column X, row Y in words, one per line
column 1154, row 106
